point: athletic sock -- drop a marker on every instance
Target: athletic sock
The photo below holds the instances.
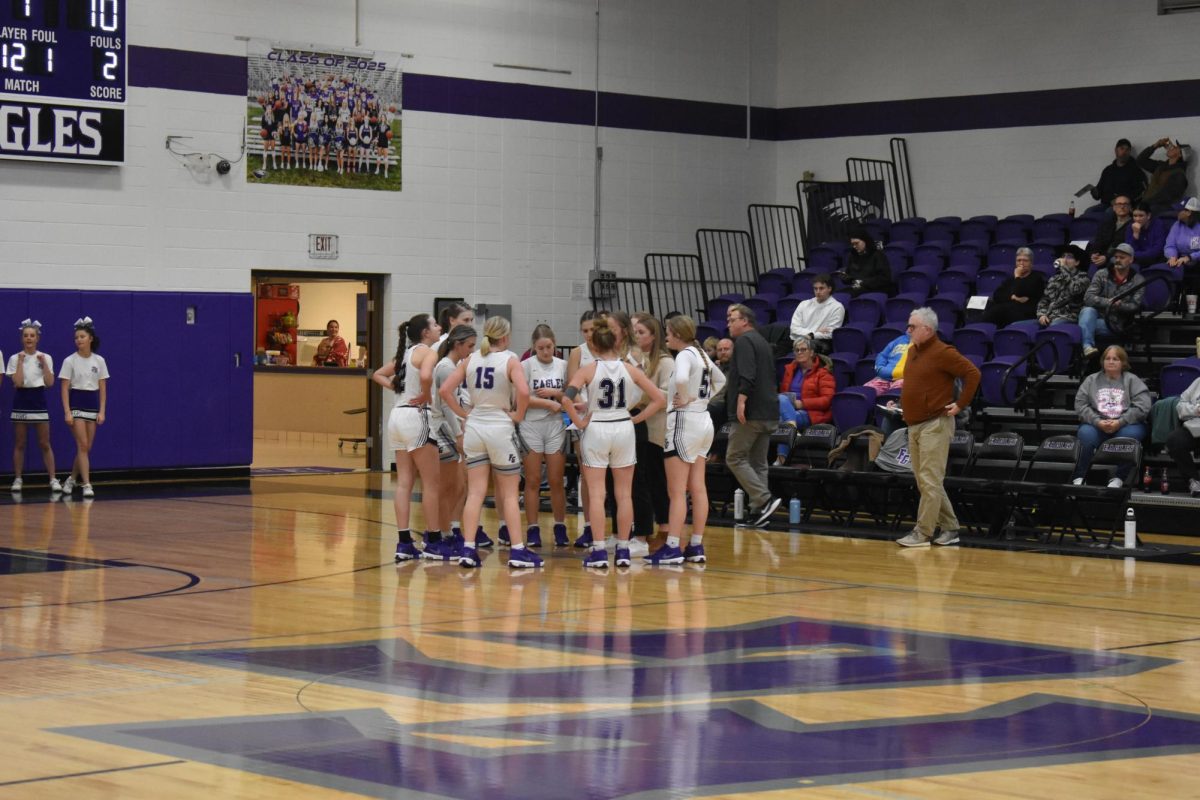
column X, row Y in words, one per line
column 600, row 545
column 518, row 546
column 405, row 536
column 672, row 541
column 697, row 540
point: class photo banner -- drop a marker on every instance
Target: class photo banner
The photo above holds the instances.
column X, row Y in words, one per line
column 323, row 117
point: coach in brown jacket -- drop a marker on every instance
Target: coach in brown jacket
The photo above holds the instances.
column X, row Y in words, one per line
column 930, row 407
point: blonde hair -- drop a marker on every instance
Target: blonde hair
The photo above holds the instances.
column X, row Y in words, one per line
column 497, row 328
column 603, row 340
column 1120, row 353
column 684, row 328
column 659, row 348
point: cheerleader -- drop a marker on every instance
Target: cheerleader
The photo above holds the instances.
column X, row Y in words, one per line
column 689, row 435
column 493, row 377
column 650, row 503
column 544, row 434
column 580, row 357
column 31, row 372
column 410, row 376
column 448, row 432
column 84, row 381
column 607, row 441
column 285, row 140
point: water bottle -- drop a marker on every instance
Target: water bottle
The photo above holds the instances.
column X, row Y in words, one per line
column 1147, row 481
column 1071, row 210
column 739, row 505
column 1164, row 484
column 1130, row 529
column 794, row 511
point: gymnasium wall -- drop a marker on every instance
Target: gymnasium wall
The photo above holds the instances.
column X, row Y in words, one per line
column 1007, row 107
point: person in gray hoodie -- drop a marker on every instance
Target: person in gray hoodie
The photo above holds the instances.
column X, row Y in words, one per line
column 1184, row 441
column 1111, row 402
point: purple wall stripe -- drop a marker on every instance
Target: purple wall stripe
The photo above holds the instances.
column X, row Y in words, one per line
column 186, row 70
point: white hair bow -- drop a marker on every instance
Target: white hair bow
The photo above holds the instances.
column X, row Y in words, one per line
column 31, row 323
column 83, row 322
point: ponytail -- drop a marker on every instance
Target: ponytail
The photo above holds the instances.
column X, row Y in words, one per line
column 410, row 331
column 460, row 334
column 497, row 328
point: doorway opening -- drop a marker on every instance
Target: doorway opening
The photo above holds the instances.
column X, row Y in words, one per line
column 316, row 336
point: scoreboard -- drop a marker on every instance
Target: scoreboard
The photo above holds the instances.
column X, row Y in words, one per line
column 63, row 80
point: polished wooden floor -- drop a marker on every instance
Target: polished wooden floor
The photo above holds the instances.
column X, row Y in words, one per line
column 260, row 642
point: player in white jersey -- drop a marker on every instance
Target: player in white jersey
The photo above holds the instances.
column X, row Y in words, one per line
column 608, row 439
column 494, row 377
column 544, row 434
column 31, row 371
column 452, row 315
column 580, row 357
column 689, row 435
column 448, row 431
column 410, row 376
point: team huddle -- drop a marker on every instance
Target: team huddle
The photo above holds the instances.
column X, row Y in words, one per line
column 465, row 414
column 315, row 124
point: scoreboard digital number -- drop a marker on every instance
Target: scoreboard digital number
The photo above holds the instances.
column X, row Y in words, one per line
column 69, row 49
column 62, row 68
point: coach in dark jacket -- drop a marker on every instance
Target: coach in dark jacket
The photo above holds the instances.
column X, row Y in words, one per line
column 753, row 407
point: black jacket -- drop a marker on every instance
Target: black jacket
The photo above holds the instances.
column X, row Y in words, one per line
column 1115, row 180
column 872, row 268
column 1168, row 181
column 752, row 373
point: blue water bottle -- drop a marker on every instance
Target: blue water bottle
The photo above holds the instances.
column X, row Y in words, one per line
column 794, row 511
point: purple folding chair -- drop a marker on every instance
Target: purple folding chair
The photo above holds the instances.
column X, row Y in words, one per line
column 1176, row 377
column 1064, row 339
column 851, row 338
column 954, row 282
column 975, row 339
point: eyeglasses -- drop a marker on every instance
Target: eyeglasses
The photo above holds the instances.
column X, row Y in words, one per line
column 733, row 319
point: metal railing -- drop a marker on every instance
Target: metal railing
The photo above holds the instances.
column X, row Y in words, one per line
column 775, row 236
column 727, row 262
column 675, row 282
column 629, row 294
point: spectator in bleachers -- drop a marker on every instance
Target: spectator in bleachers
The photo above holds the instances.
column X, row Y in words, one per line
column 867, row 268
column 710, row 348
column 806, row 391
column 1111, row 402
column 1122, row 177
column 1111, row 231
column 1017, row 298
column 1182, row 247
column 1106, row 283
column 724, row 354
column 928, row 400
column 1168, row 179
column 817, row 317
column 1184, row 442
column 1147, row 236
column 889, row 365
column 1063, row 298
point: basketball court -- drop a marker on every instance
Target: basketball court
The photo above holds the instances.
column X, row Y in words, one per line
column 257, row 640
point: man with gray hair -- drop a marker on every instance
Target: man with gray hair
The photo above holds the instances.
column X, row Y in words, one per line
column 753, row 407
column 930, row 406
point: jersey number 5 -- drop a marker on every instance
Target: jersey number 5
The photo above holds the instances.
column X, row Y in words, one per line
column 485, row 377
column 607, row 390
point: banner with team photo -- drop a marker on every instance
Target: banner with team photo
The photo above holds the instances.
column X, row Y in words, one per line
column 323, row 118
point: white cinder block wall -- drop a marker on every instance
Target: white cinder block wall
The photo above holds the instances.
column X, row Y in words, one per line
column 849, row 51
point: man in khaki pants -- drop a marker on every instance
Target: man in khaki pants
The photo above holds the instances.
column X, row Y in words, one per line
column 927, row 398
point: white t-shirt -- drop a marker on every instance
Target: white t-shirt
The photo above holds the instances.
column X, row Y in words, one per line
column 84, row 373
column 33, row 375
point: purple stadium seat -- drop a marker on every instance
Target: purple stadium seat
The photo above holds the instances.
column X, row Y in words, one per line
column 851, row 338
column 954, row 223
column 976, row 231
column 880, row 229
column 822, row 258
column 1084, row 229
column 1014, row 341
column 992, row 386
column 787, row 307
column 864, row 370
column 915, row 281
column 965, row 255
column 949, row 306
column 986, row 219
column 929, row 255
column 939, row 232
column 990, row 279
column 897, row 309
column 763, row 306
column 843, row 369
column 1043, row 256
column 898, row 258
column 707, row 329
column 802, row 281
column 1176, row 377
column 1158, row 295
column 1008, row 230
column 853, row 406
column 879, row 338
column 718, row 307
column 866, row 309
column 1002, row 256
column 1065, row 339
column 905, row 231
column 1049, row 231
column 777, row 282
column 954, row 282
column 975, row 339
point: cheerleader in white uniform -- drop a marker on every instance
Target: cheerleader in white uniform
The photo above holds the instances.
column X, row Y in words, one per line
column 580, row 357
column 545, row 435
column 689, row 435
column 494, row 377
column 84, row 381
column 608, row 440
column 31, row 372
column 410, row 376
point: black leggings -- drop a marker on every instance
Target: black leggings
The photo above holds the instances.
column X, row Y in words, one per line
column 1182, row 445
column 650, row 500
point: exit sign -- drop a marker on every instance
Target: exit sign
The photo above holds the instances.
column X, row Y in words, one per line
column 322, row 245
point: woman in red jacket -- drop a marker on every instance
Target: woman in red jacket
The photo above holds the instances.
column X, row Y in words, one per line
column 806, row 391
